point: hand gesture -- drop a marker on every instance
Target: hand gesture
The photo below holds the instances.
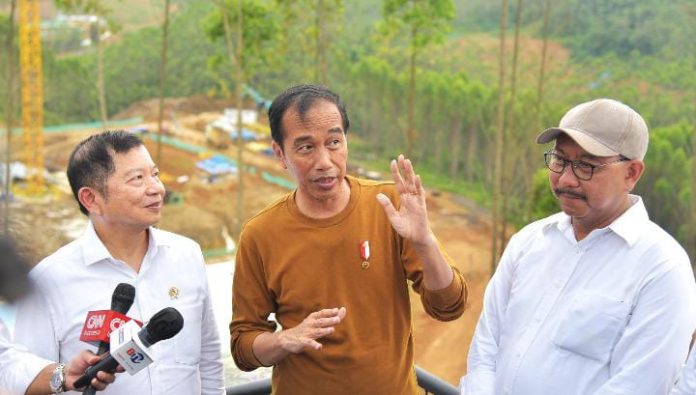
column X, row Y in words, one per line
column 411, row 221
column 317, row 325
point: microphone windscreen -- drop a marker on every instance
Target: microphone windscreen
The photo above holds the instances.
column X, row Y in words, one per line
column 163, row 325
column 122, row 298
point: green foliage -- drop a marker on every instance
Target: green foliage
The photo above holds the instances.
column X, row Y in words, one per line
column 311, row 29
column 638, row 51
column 4, row 83
column 259, row 35
column 666, row 185
column 260, row 28
column 598, row 27
column 544, row 203
column 423, row 21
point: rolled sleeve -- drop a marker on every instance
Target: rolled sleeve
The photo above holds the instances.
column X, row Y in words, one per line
column 251, row 305
column 243, row 351
column 448, row 303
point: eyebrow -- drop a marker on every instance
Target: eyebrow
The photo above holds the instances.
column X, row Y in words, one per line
column 584, row 156
column 131, row 171
column 304, row 139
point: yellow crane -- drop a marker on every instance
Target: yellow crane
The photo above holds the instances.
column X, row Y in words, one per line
column 31, row 79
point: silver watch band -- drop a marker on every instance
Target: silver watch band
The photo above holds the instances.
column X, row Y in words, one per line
column 57, row 382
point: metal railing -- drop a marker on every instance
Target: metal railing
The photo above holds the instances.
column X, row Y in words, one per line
column 426, row 380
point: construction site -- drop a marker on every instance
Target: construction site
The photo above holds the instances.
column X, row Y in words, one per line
column 197, row 149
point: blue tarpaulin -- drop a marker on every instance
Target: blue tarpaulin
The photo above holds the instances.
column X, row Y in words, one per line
column 217, row 165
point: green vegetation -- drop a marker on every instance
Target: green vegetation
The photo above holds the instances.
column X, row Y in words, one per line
column 641, row 52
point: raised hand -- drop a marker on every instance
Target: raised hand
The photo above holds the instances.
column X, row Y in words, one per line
column 411, row 220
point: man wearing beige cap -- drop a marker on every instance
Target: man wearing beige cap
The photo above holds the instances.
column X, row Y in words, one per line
column 596, row 299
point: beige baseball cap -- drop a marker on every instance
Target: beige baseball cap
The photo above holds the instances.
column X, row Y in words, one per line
column 603, row 127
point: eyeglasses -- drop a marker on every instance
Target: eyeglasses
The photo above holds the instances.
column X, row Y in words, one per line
column 582, row 170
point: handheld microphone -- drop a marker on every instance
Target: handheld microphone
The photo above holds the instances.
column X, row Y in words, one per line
column 99, row 324
column 121, row 302
column 132, row 353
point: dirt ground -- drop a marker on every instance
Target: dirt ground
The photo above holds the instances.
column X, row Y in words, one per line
column 208, row 210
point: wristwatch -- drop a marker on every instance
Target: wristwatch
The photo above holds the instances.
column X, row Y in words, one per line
column 57, row 382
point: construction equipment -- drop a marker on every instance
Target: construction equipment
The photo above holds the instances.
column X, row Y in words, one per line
column 31, row 78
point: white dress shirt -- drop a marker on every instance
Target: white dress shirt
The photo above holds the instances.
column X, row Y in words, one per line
column 610, row 314
column 18, row 368
column 686, row 385
column 82, row 276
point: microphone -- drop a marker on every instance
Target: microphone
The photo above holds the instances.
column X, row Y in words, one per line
column 121, row 302
column 131, row 351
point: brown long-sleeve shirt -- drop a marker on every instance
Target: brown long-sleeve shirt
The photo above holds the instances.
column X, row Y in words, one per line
column 292, row 265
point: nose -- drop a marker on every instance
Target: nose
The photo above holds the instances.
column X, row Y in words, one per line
column 323, row 161
column 155, row 186
column 568, row 177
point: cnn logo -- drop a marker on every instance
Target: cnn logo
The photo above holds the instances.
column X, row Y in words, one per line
column 96, row 321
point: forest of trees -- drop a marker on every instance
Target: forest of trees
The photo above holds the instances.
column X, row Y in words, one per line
column 423, row 76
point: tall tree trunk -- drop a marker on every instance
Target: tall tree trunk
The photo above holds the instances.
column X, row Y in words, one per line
column 410, row 127
column 101, row 87
column 508, row 132
column 322, row 66
column 471, row 151
column 497, row 165
column 163, row 74
column 9, row 117
column 240, row 106
column 529, row 201
column 692, row 228
column 236, row 59
column 455, row 148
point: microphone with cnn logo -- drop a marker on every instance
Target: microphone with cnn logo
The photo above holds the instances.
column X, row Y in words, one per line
column 99, row 324
column 130, row 344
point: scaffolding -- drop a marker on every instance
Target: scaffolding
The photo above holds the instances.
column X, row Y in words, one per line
column 31, row 78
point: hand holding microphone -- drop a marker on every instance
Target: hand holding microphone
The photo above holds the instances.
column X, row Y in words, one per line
column 132, row 353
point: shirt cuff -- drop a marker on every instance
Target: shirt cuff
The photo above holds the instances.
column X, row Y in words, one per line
column 478, row 383
column 22, row 372
column 451, row 295
column 246, row 359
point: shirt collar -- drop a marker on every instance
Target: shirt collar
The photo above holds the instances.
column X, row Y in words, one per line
column 625, row 226
column 95, row 251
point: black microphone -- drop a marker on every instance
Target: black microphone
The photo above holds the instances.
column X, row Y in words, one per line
column 163, row 325
column 121, row 301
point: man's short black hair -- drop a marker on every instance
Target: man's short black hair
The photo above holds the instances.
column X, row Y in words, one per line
column 301, row 97
column 91, row 162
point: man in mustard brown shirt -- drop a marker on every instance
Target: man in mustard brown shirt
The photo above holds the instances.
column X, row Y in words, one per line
column 332, row 260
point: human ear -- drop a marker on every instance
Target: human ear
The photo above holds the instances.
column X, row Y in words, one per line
column 634, row 171
column 278, row 151
column 88, row 197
